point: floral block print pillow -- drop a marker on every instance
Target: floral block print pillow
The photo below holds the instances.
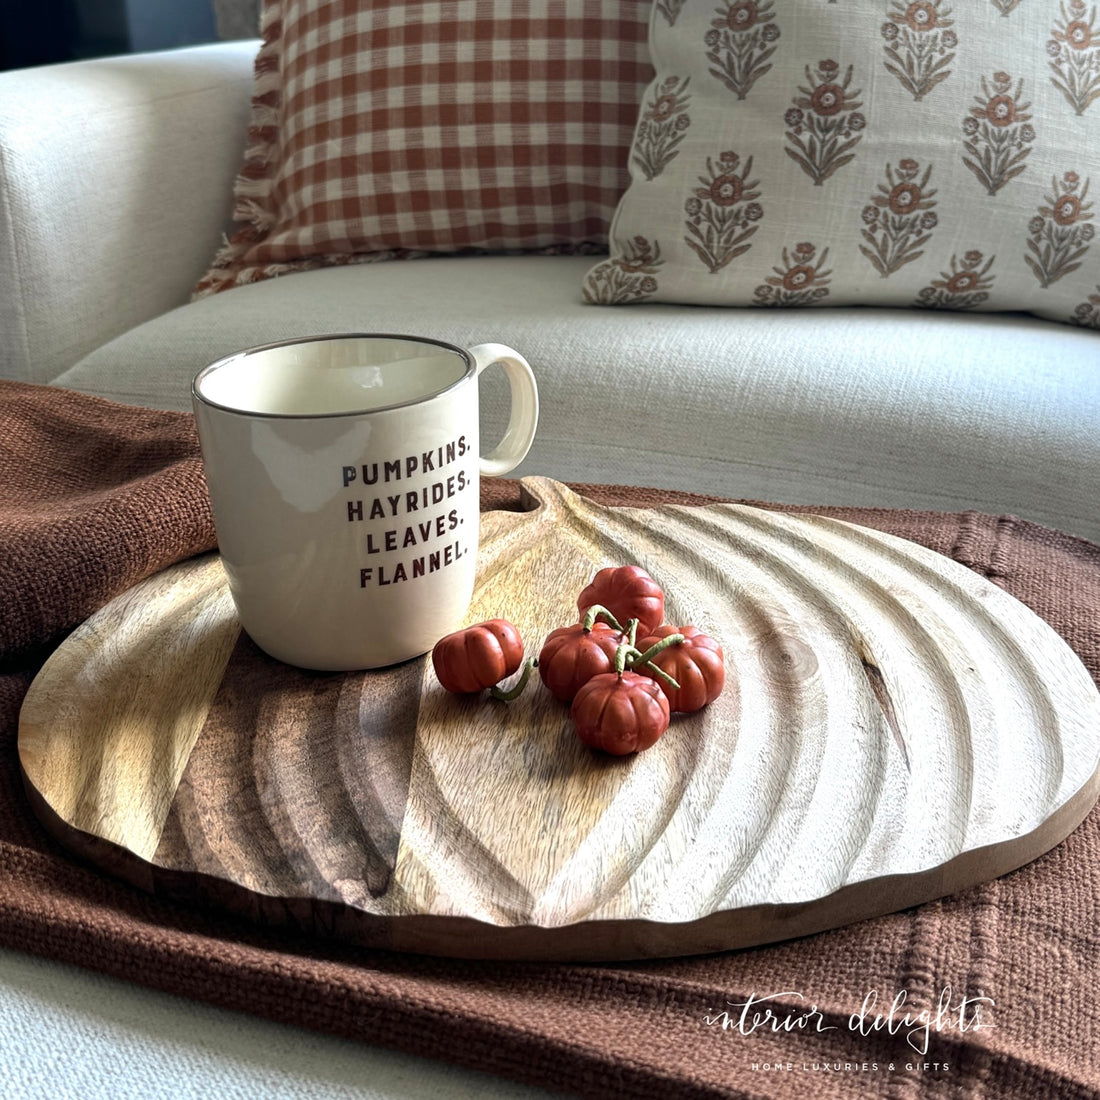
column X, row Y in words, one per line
column 394, row 128
column 939, row 154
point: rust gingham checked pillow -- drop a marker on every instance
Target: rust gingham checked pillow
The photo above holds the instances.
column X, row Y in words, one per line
column 399, row 128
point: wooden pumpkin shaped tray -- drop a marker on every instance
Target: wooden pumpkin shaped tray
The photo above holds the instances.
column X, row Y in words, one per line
column 894, row 728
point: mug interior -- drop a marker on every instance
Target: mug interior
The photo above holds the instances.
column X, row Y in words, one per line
column 332, row 375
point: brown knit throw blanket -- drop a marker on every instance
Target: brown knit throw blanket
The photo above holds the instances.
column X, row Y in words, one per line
column 95, row 496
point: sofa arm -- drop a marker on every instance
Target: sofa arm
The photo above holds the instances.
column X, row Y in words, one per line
column 116, row 180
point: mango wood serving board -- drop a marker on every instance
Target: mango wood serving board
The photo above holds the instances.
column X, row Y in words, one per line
column 894, row 728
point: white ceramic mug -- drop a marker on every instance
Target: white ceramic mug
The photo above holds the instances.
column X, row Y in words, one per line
column 344, row 476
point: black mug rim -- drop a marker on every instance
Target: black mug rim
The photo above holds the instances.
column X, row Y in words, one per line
column 234, row 357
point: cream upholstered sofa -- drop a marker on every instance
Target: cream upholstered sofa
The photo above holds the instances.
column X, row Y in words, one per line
column 115, row 189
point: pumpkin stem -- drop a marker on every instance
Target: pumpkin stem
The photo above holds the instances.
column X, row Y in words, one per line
column 514, row 692
column 595, row 612
column 657, row 647
column 646, row 658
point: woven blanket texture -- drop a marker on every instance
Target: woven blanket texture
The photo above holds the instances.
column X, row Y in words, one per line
column 95, row 496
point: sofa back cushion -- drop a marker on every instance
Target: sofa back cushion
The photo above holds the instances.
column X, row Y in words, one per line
column 406, row 127
column 929, row 153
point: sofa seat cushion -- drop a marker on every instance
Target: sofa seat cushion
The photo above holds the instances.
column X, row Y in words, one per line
column 862, row 406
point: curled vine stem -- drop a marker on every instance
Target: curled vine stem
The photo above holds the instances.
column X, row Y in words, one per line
column 506, row 695
column 598, row 611
column 639, row 658
column 628, row 656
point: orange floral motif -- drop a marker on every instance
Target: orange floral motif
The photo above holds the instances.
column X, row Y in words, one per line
column 906, row 196
column 965, row 286
column 1060, row 233
column 921, row 16
column 725, row 190
column 898, row 221
column 663, row 125
column 1067, row 210
column 723, row 213
column 1074, row 51
column 824, row 123
column 740, row 43
column 998, row 132
column 1078, row 35
column 798, row 280
column 919, row 44
column 662, row 109
column 1001, row 110
column 827, row 99
column 628, row 276
column 742, row 15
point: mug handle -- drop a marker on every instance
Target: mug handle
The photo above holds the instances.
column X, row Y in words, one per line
column 524, row 417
